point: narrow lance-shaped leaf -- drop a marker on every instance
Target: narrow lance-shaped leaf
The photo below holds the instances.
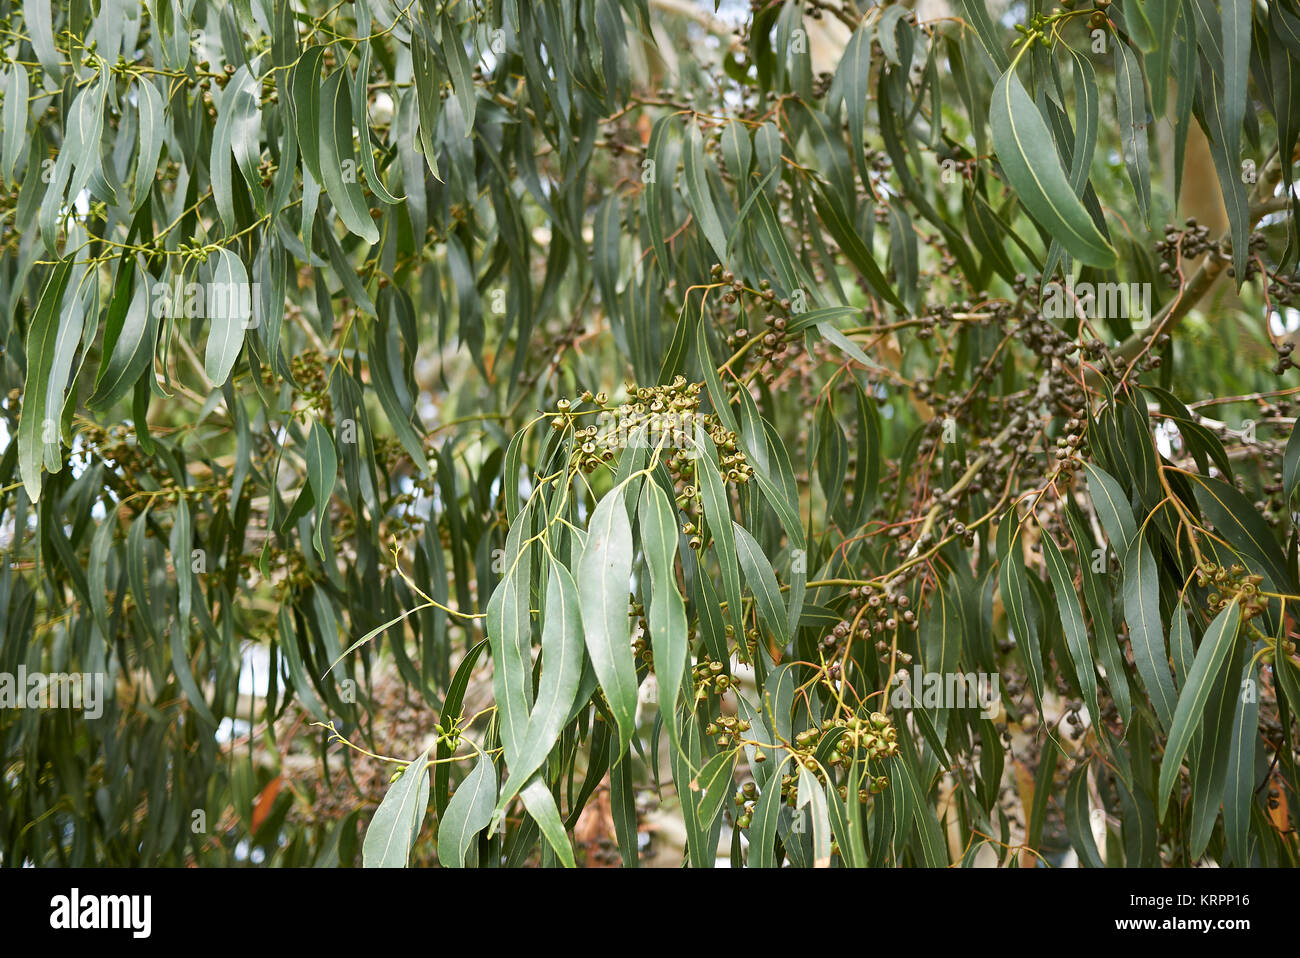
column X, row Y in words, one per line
column 698, row 193
column 1235, row 16
column 767, row 811
column 1078, row 823
column 1236, row 520
column 1239, row 792
column 322, row 473
column 307, row 108
column 509, row 630
column 229, row 304
column 393, row 830
column 562, row 653
column 717, row 514
column 1024, row 148
column 1014, row 587
column 468, row 813
column 1145, row 630
column 1215, row 645
column 1112, row 507
column 453, row 51
column 38, row 427
column 813, row 797
column 667, row 613
column 1131, row 100
column 338, row 158
column 16, row 89
column 714, row 784
column 152, row 134
column 762, row 582
column 541, row 805
column 1076, row 635
column 604, row 576
column 128, row 344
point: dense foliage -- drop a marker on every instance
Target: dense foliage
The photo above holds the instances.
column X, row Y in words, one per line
column 862, row 434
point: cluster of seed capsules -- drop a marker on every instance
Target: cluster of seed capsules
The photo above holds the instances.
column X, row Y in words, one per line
column 775, row 342
column 861, row 739
column 665, row 418
column 1232, row 582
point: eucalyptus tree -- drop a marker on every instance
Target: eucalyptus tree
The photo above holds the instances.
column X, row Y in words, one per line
column 863, row 430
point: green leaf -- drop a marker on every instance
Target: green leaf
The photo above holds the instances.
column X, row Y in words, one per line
column 656, row 190
column 717, row 516
column 767, row 813
column 50, row 341
column 774, row 243
column 1139, row 26
column 428, row 83
column 1219, row 639
column 338, row 159
column 101, row 547
column 397, row 820
column 1235, row 16
column 1291, row 464
column 322, row 472
column 714, row 785
column 449, row 713
column 229, row 304
column 361, row 120
column 666, row 616
column 1112, row 506
column 695, row 171
column 762, row 582
column 1131, row 105
column 129, row 339
column 1207, row 756
column 813, row 796
column 976, row 14
column 1214, row 111
column 181, row 537
column 16, row 90
column 223, row 193
column 604, row 574
column 853, row 85
column 846, row 236
column 562, row 657
column 467, row 814
column 1146, row 632
column 1013, row 583
column 462, row 82
column 152, row 133
column 541, row 805
column 1024, row 148
column 138, row 575
column 845, row 345
column 307, row 109
column 38, row 19
column 1239, row 791
column 1097, row 595
column 1076, row 635
column 509, row 629
column 1235, row 518
column 85, row 130
column 1078, row 824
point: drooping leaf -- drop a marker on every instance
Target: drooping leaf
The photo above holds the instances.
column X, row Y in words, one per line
column 1024, row 149
column 393, row 830
column 468, row 813
column 1219, row 639
column 604, row 572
